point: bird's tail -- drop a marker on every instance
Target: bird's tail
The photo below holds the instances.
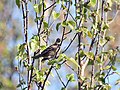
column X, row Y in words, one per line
column 37, row 56
column 44, row 59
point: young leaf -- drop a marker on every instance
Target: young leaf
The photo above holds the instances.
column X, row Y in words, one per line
column 90, row 55
column 107, row 67
column 89, row 34
column 114, row 68
column 110, row 38
column 73, row 61
column 71, row 24
column 37, row 8
column 92, row 3
column 102, row 42
column 64, row 24
column 45, row 25
column 55, row 15
column 70, row 77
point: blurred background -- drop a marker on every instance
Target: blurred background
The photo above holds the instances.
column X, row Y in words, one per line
column 11, row 34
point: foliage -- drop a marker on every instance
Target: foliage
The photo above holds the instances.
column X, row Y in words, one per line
column 88, row 22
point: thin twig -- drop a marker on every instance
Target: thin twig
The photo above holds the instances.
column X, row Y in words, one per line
column 70, row 67
column 70, row 43
column 46, row 77
column 25, row 21
column 50, row 6
column 60, row 78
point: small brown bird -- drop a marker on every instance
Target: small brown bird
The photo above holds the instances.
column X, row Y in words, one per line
column 49, row 52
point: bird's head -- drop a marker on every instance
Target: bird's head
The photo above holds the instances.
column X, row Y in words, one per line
column 57, row 41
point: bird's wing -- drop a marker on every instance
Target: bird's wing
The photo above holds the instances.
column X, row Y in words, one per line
column 46, row 52
column 50, row 48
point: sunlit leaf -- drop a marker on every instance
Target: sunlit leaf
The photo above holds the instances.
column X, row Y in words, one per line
column 110, row 38
column 70, row 77
column 114, row 68
column 107, row 67
column 55, row 15
column 45, row 25
column 71, row 24
column 73, row 61
column 58, row 66
column 98, row 59
column 89, row 34
column 37, row 7
column 90, row 55
column 102, row 42
column 105, row 26
column 52, row 62
column 64, row 24
column 92, row 3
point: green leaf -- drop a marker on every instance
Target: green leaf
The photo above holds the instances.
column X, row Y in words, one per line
column 71, row 24
column 102, row 42
column 98, row 59
column 64, row 24
column 117, row 73
column 89, row 34
column 52, row 62
column 109, row 2
column 43, row 47
column 63, row 88
column 107, row 87
column 117, row 82
column 107, row 67
column 19, row 85
column 77, row 17
column 55, row 15
column 58, row 1
column 21, row 51
column 82, row 53
column 73, row 61
column 48, row 83
column 70, row 77
column 30, row 67
column 36, row 19
column 25, row 64
column 24, row 88
column 39, row 75
column 57, row 26
column 90, row 55
column 35, row 37
column 34, row 44
column 105, row 26
column 114, row 68
column 82, row 78
column 18, row 3
column 58, row 66
column 84, row 30
column 45, row 25
column 61, row 57
column 37, row 8
column 110, row 38
column 92, row 3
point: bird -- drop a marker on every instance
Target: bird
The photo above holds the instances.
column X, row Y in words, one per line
column 49, row 52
